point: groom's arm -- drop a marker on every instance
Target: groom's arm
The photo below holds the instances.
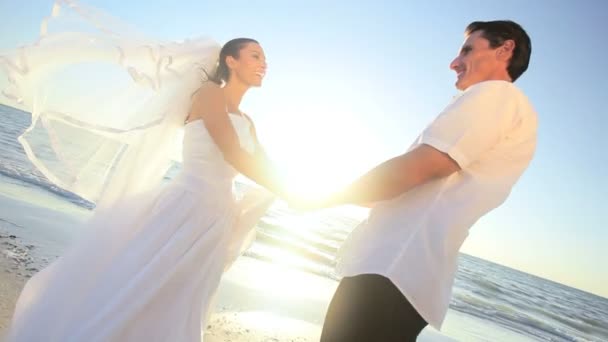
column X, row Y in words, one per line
column 398, row 175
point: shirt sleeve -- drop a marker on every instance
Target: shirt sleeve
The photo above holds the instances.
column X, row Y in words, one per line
column 474, row 123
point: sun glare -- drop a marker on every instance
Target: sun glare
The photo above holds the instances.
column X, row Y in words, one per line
column 317, row 161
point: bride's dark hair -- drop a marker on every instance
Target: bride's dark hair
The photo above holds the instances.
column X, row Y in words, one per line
column 231, row 48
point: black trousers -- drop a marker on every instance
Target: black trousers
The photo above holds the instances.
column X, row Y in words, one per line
column 369, row 307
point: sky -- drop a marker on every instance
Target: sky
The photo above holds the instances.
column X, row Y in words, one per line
column 352, row 83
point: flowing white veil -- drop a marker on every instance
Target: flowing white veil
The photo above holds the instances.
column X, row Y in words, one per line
column 106, row 101
column 107, row 105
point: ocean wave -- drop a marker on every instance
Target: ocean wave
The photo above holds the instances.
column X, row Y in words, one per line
column 518, row 322
column 296, row 248
column 284, row 235
column 301, row 264
column 43, row 184
column 530, row 306
column 486, row 286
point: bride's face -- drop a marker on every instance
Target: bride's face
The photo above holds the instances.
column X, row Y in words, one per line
column 250, row 67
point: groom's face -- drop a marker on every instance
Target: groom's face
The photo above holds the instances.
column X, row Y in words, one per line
column 476, row 61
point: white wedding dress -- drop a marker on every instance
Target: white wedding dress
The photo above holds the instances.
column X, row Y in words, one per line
column 149, row 265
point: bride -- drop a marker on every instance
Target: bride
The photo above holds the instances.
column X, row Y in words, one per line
column 153, row 252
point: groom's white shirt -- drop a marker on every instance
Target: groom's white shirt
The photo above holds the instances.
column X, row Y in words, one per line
column 414, row 239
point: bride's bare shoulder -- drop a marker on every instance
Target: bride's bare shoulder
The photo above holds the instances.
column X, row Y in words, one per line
column 207, row 90
column 208, row 99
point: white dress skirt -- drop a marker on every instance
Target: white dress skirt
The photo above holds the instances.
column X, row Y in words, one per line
column 149, row 265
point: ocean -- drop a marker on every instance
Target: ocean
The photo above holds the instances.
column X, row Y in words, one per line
column 510, row 305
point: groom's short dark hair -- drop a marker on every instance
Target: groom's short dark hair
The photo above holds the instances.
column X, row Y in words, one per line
column 497, row 32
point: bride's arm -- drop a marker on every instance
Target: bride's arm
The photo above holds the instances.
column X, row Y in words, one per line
column 210, row 105
column 259, row 149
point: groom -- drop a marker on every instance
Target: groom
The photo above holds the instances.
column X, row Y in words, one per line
column 398, row 266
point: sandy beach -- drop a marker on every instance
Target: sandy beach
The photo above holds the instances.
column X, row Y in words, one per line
column 14, row 273
column 256, row 300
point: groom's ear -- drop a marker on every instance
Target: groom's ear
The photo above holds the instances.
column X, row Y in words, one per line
column 505, row 51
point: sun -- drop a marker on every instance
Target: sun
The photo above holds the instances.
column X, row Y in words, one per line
column 317, row 161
